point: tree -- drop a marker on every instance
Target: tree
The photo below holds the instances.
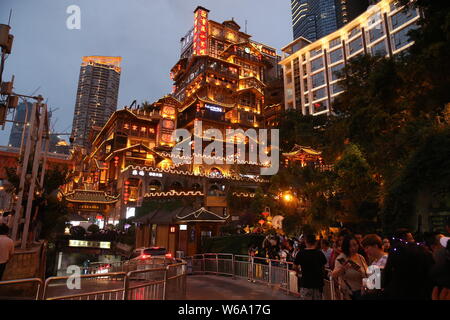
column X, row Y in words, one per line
column 426, row 173
column 355, row 185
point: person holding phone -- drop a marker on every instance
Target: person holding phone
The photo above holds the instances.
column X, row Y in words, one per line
column 350, row 269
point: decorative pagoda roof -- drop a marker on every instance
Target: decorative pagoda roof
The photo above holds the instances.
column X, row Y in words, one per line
column 207, row 100
column 90, row 196
column 301, row 150
column 200, row 215
column 180, row 215
column 140, row 145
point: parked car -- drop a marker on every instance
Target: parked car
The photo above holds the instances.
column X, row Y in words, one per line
column 142, row 254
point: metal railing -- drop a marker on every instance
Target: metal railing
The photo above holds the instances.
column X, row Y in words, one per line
column 127, row 266
column 16, row 288
column 255, row 269
column 145, row 282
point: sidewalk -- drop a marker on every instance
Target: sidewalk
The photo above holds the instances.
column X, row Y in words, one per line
column 226, row 288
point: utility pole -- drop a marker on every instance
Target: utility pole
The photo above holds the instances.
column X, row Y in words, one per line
column 43, row 119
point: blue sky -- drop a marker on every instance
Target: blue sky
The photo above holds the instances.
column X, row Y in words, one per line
column 145, row 33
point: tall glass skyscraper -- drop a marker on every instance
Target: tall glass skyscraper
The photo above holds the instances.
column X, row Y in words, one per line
column 98, row 89
column 314, row 19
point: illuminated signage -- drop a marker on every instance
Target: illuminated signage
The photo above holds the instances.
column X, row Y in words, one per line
column 155, row 174
column 183, row 227
column 213, row 108
column 89, row 244
column 168, row 124
column 131, row 212
column 201, row 32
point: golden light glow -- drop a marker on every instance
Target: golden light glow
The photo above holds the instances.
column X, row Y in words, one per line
column 107, row 61
column 288, row 197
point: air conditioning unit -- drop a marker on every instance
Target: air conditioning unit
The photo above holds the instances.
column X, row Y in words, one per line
column 13, row 102
column 4, row 35
column 6, row 88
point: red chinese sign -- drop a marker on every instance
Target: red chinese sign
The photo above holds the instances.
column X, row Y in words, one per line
column 201, row 32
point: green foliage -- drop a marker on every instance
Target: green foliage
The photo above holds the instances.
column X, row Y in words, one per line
column 428, row 171
column 235, row 244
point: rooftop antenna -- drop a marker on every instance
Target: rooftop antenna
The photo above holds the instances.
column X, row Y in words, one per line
column 35, row 91
column 9, row 19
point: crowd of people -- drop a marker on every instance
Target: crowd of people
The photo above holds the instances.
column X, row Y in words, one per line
column 366, row 267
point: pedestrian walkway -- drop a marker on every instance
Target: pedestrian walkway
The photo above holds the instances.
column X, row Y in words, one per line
column 204, row 287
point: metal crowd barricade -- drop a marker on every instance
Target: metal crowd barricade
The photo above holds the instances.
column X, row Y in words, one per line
column 198, row 264
column 261, row 269
column 146, row 284
column 243, row 266
column 33, row 285
column 257, row 269
column 56, row 287
column 175, row 282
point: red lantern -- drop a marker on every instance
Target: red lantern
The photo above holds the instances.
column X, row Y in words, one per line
column 261, row 222
column 265, row 214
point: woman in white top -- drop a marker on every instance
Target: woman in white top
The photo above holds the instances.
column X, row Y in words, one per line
column 350, row 269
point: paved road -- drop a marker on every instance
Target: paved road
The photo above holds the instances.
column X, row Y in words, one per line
column 199, row 287
column 223, row 288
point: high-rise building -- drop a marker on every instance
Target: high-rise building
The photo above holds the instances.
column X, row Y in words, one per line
column 98, row 89
column 311, row 69
column 314, row 19
column 15, row 137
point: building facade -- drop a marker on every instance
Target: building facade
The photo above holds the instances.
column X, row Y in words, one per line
column 97, row 94
column 221, row 80
column 314, row 19
column 310, row 69
column 222, row 75
column 16, row 135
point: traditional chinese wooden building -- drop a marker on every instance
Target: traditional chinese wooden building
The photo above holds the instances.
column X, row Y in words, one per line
column 221, row 75
column 91, row 204
column 178, row 230
column 219, row 80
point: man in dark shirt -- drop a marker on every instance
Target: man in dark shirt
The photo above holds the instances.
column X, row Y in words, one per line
column 310, row 263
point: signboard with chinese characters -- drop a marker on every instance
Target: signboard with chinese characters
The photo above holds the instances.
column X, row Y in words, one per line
column 187, row 40
column 213, row 108
column 201, row 32
column 90, row 244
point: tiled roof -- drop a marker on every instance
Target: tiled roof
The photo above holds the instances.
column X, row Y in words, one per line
column 90, row 196
column 180, row 215
column 201, row 215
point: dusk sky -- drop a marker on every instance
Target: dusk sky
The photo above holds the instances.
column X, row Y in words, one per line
column 145, row 33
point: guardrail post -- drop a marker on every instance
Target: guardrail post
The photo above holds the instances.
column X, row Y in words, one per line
column 232, row 266
column 165, row 285
column 270, row 271
column 126, row 286
column 204, row 263
column 288, row 278
column 217, row 264
column 252, row 269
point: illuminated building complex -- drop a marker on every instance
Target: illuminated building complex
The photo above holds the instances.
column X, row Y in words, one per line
column 98, row 89
column 220, row 79
column 221, row 76
column 310, row 68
